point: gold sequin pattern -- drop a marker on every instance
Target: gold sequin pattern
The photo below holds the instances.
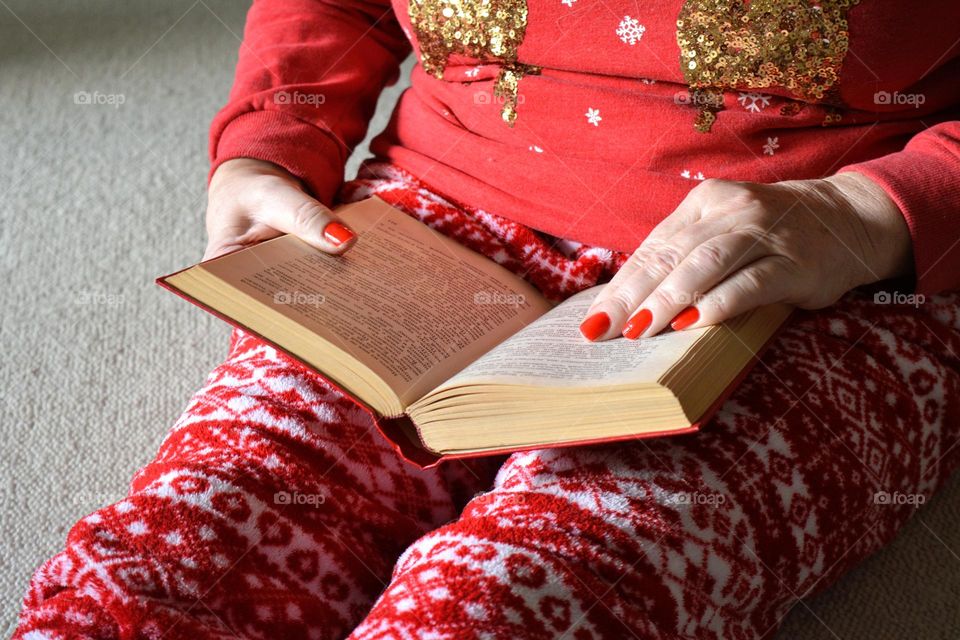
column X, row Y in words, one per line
column 506, row 88
column 710, row 102
column 798, row 45
column 489, row 30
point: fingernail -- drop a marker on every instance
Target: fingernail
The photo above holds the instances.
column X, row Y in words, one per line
column 337, row 234
column 685, row 318
column 637, row 324
column 595, row 326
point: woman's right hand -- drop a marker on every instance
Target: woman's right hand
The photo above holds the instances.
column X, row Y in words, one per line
column 250, row 201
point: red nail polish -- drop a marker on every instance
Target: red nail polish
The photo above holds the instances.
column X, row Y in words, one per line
column 685, row 318
column 637, row 324
column 595, row 326
column 337, row 234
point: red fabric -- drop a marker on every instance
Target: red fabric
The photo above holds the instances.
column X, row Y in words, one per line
column 274, row 510
column 605, row 182
column 307, row 80
column 923, row 181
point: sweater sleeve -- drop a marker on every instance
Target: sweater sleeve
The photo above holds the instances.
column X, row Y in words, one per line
column 924, row 181
column 307, row 81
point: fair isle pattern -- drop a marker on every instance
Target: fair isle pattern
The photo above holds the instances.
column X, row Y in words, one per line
column 712, row 536
column 273, row 509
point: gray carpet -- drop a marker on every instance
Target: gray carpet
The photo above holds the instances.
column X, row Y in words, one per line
column 97, row 361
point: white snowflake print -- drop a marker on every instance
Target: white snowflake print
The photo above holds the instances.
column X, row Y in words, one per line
column 569, row 3
column 648, row 81
column 772, row 145
column 593, row 116
column 755, row 102
column 472, row 73
column 630, row 30
column 535, row 148
column 695, row 176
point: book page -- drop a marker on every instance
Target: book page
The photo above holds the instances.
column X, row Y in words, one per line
column 409, row 303
column 552, row 352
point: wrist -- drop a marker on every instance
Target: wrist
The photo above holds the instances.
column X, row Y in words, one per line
column 881, row 236
column 237, row 170
column 247, row 166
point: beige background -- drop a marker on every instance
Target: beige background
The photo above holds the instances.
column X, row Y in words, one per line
column 97, row 361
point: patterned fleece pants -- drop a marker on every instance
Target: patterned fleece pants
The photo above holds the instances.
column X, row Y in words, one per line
column 273, row 509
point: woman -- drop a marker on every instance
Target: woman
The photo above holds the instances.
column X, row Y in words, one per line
column 570, row 141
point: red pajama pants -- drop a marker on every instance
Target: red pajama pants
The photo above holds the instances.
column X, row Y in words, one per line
column 274, row 510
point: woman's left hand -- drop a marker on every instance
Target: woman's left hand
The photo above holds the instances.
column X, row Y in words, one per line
column 733, row 246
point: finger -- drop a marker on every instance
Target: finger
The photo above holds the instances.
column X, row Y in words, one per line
column 290, row 210
column 641, row 275
column 230, row 228
column 704, row 266
column 217, row 247
column 765, row 281
column 612, row 306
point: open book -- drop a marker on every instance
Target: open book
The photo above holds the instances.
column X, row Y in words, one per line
column 411, row 323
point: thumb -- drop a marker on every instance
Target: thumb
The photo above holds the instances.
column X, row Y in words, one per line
column 290, row 210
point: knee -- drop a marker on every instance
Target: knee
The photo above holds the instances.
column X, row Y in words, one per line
column 564, row 545
column 630, row 530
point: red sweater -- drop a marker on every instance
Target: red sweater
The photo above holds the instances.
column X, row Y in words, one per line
column 591, row 120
